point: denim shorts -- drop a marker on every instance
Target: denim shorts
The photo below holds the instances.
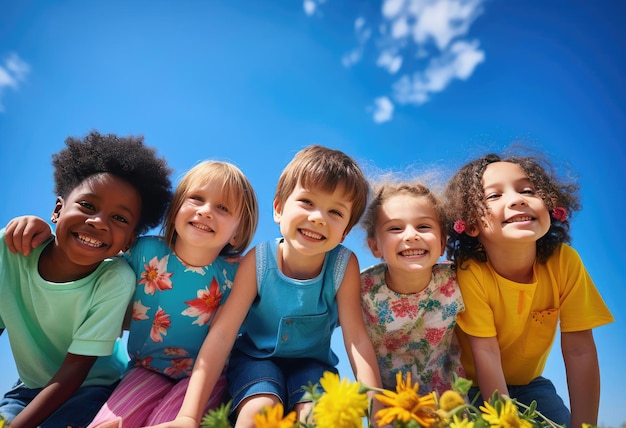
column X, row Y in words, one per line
column 283, row 377
column 540, row 390
column 77, row 411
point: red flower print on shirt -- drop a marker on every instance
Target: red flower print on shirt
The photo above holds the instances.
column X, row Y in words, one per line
column 393, row 343
column 434, row 335
column 205, row 304
column 156, row 277
column 140, row 312
column 449, row 288
column 403, row 308
column 179, row 366
column 160, row 324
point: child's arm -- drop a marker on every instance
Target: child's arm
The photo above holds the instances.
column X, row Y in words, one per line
column 217, row 345
column 583, row 376
column 356, row 340
column 488, row 366
column 65, row 382
column 25, row 233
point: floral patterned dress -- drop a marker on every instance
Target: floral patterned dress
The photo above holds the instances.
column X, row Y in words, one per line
column 173, row 306
column 414, row 332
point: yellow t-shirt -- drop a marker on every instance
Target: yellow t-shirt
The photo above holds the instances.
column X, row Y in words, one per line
column 524, row 317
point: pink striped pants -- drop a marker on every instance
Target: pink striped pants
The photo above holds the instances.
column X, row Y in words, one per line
column 144, row 397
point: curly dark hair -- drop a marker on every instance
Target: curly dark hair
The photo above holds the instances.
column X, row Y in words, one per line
column 465, row 200
column 125, row 157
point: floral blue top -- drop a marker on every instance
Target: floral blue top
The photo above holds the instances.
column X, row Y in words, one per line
column 414, row 332
column 173, row 306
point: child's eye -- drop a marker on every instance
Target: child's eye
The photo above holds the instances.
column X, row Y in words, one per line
column 120, row 218
column 528, row 192
column 337, row 213
column 306, row 201
column 195, row 198
column 491, row 196
column 423, row 227
column 223, row 208
column 86, row 205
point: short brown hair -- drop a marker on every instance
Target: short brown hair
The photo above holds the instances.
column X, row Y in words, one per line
column 325, row 169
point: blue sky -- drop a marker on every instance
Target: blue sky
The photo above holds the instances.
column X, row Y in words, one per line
column 399, row 85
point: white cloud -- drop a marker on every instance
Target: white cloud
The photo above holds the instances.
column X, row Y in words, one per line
column 12, row 72
column 309, row 7
column 426, row 40
column 383, row 110
column 458, row 62
column 362, row 33
column 389, row 60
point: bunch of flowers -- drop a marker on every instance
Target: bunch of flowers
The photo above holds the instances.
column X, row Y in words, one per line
column 344, row 404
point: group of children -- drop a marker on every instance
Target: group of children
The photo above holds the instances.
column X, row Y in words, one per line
column 210, row 322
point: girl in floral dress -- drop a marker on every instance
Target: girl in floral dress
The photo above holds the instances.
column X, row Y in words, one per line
column 182, row 279
column 410, row 301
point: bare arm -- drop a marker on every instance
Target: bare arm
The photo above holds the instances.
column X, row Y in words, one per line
column 65, row 382
column 25, row 233
column 488, row 366
column 356, row 340
column 583, row 376
column 217, row 345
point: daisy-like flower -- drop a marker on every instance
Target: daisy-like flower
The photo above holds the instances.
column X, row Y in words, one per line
column 450, row 399
column 505, row 415
column 272, row 417
column 156, row 277
column 458, row 422
column 205, row 304
column 160, row 324
column 406, row 404
column 341, row 405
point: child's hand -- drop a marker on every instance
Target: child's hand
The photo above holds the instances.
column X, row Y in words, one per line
column 25, row 233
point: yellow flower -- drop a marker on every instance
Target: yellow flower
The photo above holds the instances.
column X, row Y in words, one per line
column 405, row 404
column 461, row 422
column 505, row 416
column 450, row 399
column 272, row 417
column 341, row 405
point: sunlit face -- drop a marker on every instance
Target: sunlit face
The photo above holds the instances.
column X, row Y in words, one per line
column 516, row 212
column 313, row 221
column 95, row 221
column 206, row 222
column 407, row 234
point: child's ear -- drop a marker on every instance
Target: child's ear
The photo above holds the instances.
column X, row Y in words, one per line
column 472, row 231
column 58, row 206
column 277, row 211
column 371, row 242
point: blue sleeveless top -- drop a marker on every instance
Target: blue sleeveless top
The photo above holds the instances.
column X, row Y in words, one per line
column 293, row 318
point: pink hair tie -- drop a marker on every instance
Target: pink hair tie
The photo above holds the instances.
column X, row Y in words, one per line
column 560, row 214
column 459, row 226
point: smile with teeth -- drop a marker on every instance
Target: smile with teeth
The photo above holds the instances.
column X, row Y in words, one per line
column 87, row 240
column 519, row 219
column 310, row 234
column 412, row 252
column 201, row 227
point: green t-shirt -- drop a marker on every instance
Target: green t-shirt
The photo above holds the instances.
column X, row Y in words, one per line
column 46, row 320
